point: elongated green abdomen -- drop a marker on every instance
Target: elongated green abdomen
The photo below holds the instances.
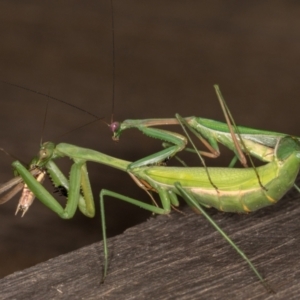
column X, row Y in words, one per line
column 238, row 190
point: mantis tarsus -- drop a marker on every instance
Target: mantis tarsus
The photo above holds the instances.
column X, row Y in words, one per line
column 227, row 189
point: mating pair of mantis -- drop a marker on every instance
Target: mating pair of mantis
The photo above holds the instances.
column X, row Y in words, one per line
column 226, row 189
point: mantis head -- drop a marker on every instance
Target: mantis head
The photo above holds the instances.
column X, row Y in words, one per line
column 115, row 128
column 45, row 154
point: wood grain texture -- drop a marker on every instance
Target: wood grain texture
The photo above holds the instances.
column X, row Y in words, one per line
column 177, row 257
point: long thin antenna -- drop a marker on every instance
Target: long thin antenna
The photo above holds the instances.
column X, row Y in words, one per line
column 68, row 132
column 44, row 122
column 113, row 60
column 9, row 155
column 50, row 97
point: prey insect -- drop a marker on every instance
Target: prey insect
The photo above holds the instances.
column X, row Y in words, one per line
column 16, row 185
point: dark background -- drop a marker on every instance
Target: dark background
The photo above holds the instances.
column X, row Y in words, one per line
column 168, row 56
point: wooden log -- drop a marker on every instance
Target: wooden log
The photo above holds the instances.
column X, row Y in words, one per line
column 177, row 257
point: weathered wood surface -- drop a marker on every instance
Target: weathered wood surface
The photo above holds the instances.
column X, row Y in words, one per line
column 177, row 257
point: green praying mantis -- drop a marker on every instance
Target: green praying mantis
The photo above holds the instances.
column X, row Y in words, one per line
column 226, row 189
column 255, row 142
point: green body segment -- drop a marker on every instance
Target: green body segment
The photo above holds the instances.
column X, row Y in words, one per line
column 259, row 143
column 267, row 138
column 238, row 190
column 208, row 128
column 84, row 154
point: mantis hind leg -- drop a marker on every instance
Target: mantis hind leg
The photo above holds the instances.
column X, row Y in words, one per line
column 149, row 207
column 297, row 187
column 192, row 202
